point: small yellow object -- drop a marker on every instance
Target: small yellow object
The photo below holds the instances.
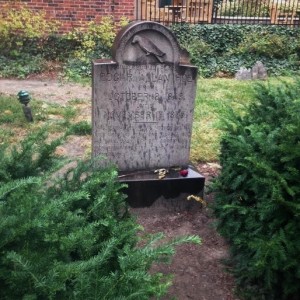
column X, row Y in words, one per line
column 197, row 198
column 161, row 173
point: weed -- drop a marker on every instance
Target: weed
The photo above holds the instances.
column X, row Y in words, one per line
column 80, row 128
column 11, row 111
column 76, row 101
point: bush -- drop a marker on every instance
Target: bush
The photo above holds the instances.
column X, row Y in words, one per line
column 200, row 53
column 229, row 47
column 80, row 128
column 23, row 28
column 268, row 45
column 257, row 193
column 25, row 39
column 94, row 42
column 70, row 237
column 59, row 47
column 21, row 66
column 220, row 38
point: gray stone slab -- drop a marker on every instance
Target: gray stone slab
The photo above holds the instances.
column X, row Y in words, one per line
column 259, row 71
column 243, row 74
column 143, row 100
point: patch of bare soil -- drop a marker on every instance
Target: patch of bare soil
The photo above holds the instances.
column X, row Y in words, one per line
column 51, row 91
column 198, row 270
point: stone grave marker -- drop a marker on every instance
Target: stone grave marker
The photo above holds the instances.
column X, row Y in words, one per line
column 143, row 100
column 243, row 74
column 259, row 71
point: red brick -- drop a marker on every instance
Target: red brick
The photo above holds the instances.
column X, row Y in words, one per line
column 77, row 13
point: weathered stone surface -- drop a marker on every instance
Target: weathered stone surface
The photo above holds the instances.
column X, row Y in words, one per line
column 243, row 74
column 259, row 71
column 143, row 100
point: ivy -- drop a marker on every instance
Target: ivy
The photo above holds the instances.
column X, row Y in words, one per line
column 223, row 49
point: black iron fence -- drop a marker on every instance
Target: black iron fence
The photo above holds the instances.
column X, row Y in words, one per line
column 264, row 12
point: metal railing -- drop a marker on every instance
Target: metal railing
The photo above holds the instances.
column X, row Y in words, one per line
column 264, row 12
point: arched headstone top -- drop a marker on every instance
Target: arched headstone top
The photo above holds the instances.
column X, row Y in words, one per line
column 147, row 42
column 143, row 100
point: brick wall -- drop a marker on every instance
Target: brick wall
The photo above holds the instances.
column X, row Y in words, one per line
column 72, row 13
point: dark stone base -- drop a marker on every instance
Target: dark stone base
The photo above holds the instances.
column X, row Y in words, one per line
column 144, row 188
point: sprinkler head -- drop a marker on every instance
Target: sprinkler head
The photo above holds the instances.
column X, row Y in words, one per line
column 24, row 97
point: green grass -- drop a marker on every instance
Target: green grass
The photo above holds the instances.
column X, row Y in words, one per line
column 11, row 111
column 214, row 97
column 14, row 126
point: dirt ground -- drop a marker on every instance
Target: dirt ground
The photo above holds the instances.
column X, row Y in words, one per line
column 198, row 270
column 52, row 91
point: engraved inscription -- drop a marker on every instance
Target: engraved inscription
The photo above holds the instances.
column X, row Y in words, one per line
column 143, row 102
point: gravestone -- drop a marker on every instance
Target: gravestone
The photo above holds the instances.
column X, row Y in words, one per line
column 259, row 71
column 243, row 74
column 143, row 103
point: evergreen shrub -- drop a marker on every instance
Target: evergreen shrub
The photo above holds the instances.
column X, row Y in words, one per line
column 229, row 47
column 80, row 128
column 257, row 194
column 68, row 235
